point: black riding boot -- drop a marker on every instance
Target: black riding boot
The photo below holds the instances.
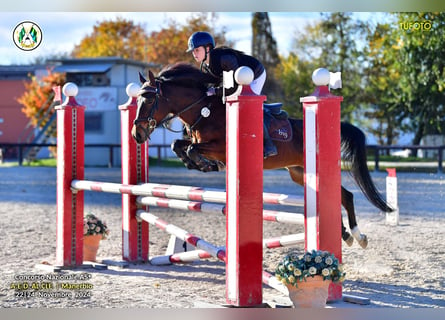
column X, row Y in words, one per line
column 269, row 148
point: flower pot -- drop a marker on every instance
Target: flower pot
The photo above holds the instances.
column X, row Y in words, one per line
column 312, row 293
column 90, row 246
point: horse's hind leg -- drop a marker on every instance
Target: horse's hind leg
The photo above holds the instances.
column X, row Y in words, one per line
column 297, row 175
column 347, row 200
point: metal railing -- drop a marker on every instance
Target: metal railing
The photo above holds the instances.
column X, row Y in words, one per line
column 20, row 147
column 413, row 148
column 376, row 149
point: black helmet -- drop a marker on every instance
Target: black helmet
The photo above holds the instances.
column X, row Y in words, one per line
column 200, row 38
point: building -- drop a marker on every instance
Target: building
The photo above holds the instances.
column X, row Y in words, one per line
column 12, row 120
column 102, row 86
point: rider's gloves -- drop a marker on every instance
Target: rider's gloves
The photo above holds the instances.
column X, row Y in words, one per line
column 211, row 91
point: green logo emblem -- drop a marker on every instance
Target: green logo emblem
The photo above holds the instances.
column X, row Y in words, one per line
column 27, row 35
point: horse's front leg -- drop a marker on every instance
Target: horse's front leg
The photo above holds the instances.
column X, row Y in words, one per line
column 199, row 153
column 179, row 147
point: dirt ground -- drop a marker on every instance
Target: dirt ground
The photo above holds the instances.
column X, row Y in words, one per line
column 403, row 266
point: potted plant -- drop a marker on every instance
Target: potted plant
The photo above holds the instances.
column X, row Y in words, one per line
column 94, row 230
column 308, row 276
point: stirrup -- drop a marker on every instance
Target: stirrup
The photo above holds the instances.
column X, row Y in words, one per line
column 270, row 153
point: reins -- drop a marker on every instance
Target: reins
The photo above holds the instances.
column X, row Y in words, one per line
column 152, row 122
column 165, row 120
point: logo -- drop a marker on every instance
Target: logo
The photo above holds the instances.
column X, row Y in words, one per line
column 416, row 25
column 27, row 35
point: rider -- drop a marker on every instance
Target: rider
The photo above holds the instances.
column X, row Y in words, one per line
column 216, row 60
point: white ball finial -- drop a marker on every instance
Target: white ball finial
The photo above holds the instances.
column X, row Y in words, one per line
column 70, row 89
column 244, row 75
column 132, row 89
column 321, row 77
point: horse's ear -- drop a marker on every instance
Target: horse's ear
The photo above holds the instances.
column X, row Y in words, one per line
column 142, row 78
column 151, row 77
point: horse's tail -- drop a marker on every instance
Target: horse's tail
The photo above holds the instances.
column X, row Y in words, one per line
column 353, row 147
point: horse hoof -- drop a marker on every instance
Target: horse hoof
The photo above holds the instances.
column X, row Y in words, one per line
column 349, row 241
column 221, row 166
column 363, row 241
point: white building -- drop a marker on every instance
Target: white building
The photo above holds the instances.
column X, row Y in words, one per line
column 102, row 86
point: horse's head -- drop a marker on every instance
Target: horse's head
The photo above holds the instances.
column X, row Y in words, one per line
column 149, row 112
column 182, row 95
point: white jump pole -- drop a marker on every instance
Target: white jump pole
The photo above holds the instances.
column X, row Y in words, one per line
column 134, row 171
column 392, row 218
column 70, row 165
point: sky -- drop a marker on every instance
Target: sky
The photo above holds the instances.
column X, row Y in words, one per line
column 63, row 30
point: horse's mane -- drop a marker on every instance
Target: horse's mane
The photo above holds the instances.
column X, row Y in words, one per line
column 186, row 74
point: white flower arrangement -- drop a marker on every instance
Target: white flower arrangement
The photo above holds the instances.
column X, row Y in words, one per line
column 293, row 268
column 93, row 225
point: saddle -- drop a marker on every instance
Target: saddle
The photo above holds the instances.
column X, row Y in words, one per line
column 277, row 122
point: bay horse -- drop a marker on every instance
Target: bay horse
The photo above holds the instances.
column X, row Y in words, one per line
column 180, row 91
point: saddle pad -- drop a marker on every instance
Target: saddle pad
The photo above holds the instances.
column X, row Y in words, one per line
column 280, row 130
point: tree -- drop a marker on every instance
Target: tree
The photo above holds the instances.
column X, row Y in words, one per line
column 36, row 95
column 122, row 38
column 381, row 90
column 264, row 48
column 294, row 77
column 169, row 45
column 406, row 75
column 332, row 44
column 422, row 71
column 128, row 40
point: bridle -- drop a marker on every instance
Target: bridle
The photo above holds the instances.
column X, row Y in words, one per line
column 152, row 123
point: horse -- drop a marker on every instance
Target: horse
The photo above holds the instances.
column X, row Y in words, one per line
column 179, row 91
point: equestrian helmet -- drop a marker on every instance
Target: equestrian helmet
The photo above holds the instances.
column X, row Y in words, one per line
column 200, row 38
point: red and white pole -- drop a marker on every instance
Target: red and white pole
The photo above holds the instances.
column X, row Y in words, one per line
column 70, row 166
column 134, row 171
column 322, row 177
column 244, row 197
column 392, row 218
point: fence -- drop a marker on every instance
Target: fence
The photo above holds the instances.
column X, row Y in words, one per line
column 16, row 150
column 413, row 149
column 375, row 149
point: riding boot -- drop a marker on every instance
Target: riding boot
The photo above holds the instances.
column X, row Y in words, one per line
column 269, row 149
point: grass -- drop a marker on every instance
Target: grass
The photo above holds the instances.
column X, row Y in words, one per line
column 411, row 169
column 169, row 163
column 401, row 159
column 52, row 162
column 176, row 163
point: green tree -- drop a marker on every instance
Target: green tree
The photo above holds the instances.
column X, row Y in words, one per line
column 294, row 77
column 332, row 43
column 406, row 76
column 422, row 72
column 381, row 91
